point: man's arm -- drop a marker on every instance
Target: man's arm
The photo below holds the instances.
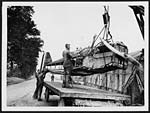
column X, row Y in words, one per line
column 74, row 55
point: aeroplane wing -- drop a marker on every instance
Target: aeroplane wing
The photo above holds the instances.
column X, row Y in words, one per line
column 123, row 55
column 84, row 71
column 56, row 71
column 79, row 72
column 57, row 62
column 75, row 72
column 61, row 60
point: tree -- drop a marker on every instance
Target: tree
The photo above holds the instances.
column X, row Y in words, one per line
column 24, row 42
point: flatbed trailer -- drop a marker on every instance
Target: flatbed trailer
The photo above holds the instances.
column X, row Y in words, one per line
column 81, row 95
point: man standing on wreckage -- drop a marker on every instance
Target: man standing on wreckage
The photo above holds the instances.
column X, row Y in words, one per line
column 68, row 65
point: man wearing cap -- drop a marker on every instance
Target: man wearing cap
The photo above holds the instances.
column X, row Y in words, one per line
column 68, row 65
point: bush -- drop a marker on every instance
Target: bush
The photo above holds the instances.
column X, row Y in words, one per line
column 14, row 73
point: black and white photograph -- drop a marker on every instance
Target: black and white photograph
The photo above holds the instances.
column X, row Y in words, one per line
column 75, row 56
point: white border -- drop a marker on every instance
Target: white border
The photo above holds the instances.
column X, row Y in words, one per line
column 4, row 64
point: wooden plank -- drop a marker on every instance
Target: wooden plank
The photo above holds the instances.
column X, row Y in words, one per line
column 92, row 103
column 85, row 92
column 51, row 86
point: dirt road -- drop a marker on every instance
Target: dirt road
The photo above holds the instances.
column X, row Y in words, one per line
column 21, row 94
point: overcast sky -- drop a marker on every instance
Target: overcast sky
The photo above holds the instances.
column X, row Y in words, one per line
column 77, row 23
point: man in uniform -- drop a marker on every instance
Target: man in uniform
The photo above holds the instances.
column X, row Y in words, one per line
column 68, row 65
column 39, row 84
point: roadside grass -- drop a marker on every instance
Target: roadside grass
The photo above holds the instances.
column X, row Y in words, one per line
column 14, row 80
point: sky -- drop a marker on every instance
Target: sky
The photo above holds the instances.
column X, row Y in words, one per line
column 77, row 23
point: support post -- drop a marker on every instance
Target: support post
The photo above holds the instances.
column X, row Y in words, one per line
column 61, row 102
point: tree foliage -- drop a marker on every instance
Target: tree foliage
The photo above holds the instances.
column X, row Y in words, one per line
column 24, row 41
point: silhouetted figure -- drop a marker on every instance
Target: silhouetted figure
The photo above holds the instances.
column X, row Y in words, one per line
column 39, row 84
column 52, row 78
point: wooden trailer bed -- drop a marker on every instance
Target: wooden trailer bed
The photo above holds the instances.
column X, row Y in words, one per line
column 81, row 95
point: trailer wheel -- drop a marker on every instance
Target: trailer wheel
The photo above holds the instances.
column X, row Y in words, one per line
column 47, row 94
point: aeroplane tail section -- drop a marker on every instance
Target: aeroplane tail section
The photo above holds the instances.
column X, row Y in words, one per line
column 46, row 58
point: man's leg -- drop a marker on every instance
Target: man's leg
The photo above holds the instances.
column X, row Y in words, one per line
column 35, row 95
column 67, row 80
column 68, row 77
column 64, row 78
column 40, row 92
column 41, row 81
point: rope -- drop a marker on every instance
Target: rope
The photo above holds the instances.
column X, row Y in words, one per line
column 106, row 33
column 99, row 33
